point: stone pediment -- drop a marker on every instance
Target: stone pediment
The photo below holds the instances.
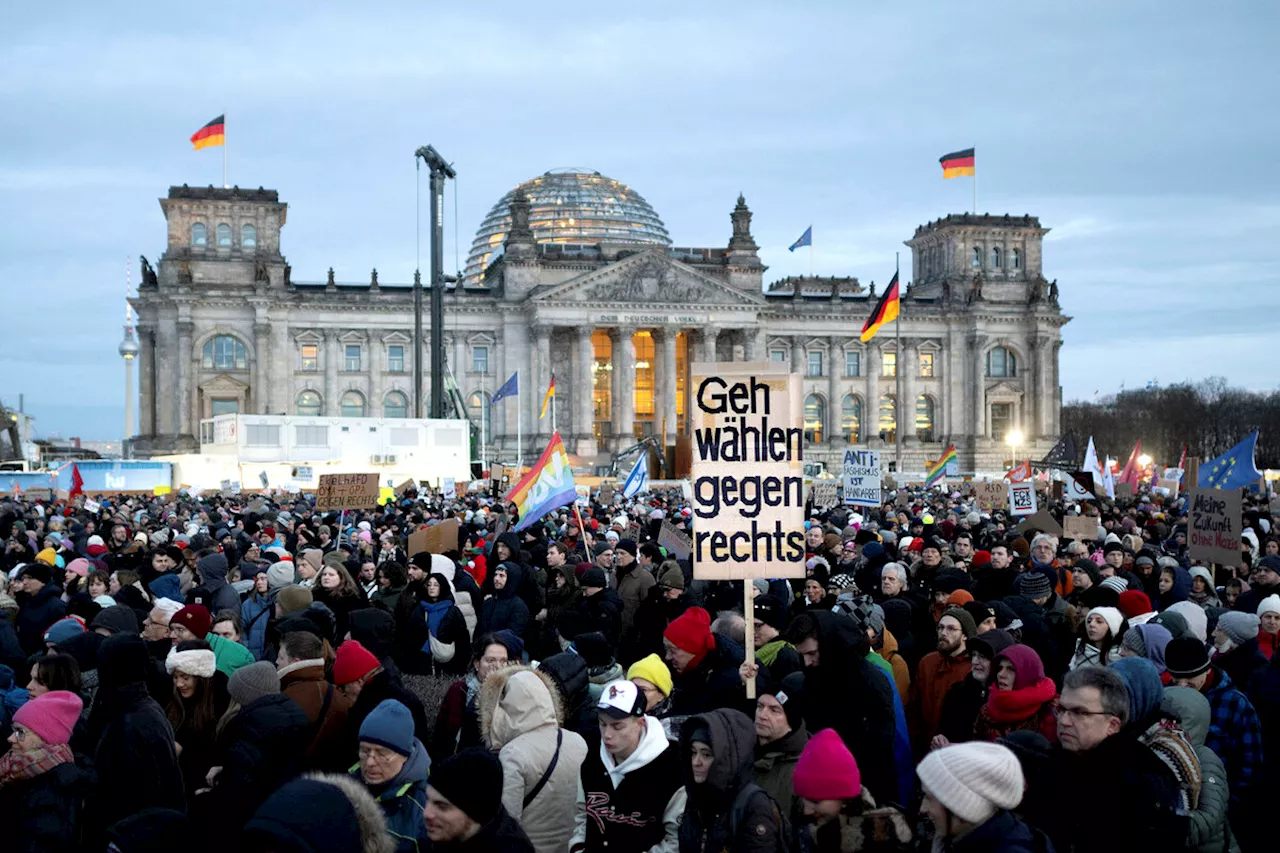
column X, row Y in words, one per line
column 223, row 384
column 1004, row 388
column 648, row 278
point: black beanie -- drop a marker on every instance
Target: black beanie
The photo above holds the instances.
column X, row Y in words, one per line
column 472, row 781
column 122, row 659
column 770, row 610
column 792, row 691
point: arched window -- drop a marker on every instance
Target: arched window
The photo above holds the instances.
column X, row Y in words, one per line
column 1002, row 363
column 199, row 234
column 224, row 352
column 814, row 412
column 977, row 258
column 851, row 418
column 248, row 237
column 395, row 405
column 996, row 259
column 1015, row 259
column 481, row 414
column 224, row 235
column 924, row 417
column 353, row 405
column 888, row 417
column 308, row 403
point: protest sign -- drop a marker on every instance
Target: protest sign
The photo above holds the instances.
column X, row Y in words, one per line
column 406, row 486
column 1022, row 499
column 303, row 473
column 1169, row 485
column 862, row 477
column 449, row 490
column 347, row 491
column 39, row 493
column 606, row 495
column 747, row 471
column 686, row 489
column 1042, row 521
column 1213, row 525
column 1083, row 527
column 1124, row 491
column 901, row 498
column 91, row 505
column 436, row 539
column 825, row 494
column 1079, row 487
column 990, row 495
column 674, row 540
column 632, row 532
column 161, row 490
column 583, row 495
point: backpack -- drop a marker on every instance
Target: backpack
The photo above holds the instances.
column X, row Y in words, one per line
column 738, row 813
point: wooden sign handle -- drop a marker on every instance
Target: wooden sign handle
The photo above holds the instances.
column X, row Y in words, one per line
column 749, row 614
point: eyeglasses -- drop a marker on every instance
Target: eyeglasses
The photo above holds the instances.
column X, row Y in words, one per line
column 1079, row 713
column 378, row 754
column 19, row 732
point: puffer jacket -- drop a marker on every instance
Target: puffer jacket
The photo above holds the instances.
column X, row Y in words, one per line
column 403, row 800
column 714, row 806
column 255, row 614
column 1208, row 831
column 775, row 762
column 521, row 716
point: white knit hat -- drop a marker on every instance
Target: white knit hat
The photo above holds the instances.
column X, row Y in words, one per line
column 1270, row 604
column 1113, row 618
column 973, row 780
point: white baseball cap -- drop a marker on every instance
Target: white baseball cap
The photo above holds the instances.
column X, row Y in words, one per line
column 621, row 699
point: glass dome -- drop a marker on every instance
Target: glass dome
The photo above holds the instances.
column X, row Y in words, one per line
column 570, row 207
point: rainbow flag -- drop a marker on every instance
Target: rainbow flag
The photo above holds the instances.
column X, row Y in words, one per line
column 548, row 485
column 551, row 392
column 939, row 468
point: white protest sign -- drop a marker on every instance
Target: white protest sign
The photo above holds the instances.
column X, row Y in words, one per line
column 90, row 505
column 1022, row 499
column 303, row 473
column 1213, row 526
column 450, row 489
column 861, row 477
column 747, row 471
column 824, row 494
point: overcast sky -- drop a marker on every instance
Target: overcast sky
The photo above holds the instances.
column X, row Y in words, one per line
column 1144, row 134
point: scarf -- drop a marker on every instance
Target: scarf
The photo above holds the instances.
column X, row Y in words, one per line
column 1171, row 745
column 1011, row 706
column 435, row 615
column 769, row 652
column 18, row 766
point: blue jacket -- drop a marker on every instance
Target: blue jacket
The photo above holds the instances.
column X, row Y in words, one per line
column 1235, row 735
column 902, row 747
column 403, row 800
column 254, row 616
column 36, row 614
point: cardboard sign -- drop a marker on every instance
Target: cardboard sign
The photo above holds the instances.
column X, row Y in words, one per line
column 889, row 481
column 1171, row 486
column 436, row 539
column 161, row 490
column 825, row 493
column 347, row 491
column 1022, row 499
column 747, row 471
column 1042, row 521
column 1124, row 491
column 862, row 481
column 674, row 540
column 91, row 505
column 902, row 498
column 1082, row 527
column 990, row 495
column 449, row 490
column 632, row 532
column 606, row 495
column 1213, row 525
column 386, row 495
column 39, row 493
column 406, row 486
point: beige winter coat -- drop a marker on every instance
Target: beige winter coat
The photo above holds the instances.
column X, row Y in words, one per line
column 520, row 714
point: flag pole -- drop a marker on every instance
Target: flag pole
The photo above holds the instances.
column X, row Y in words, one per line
column 553, row 404
column 224, row 150
column 484, row 423
column 899, row 362
column 519, row 427
column 975, row 189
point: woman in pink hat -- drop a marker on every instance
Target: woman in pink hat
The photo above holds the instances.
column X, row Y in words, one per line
column 840, row 815
column 41, row 789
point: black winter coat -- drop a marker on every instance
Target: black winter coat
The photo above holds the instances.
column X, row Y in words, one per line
column 385, row 686
column 413, row 635
column 36, row 614
column 1004, row 833
column 600, row 612
column 45, row 814
column 503, row 834
column 713, row 683
column 569, row 671
column 960, row 709
column 652, row 617
column 504, row 609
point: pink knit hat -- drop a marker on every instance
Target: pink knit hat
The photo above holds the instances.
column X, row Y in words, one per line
column 826, row 770
column 51, row 715
column 80, row 566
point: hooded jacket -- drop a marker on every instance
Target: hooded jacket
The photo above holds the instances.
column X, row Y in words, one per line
column 320, row 812
column 709, row 817
column 503, row 609
column 1180, row 591
column 1031, row 704
column 569, row 672
column 403, row 800
column 220, row 595
column 35, row 616
column 255, row 615
column 522, row 718
column 1208, row 829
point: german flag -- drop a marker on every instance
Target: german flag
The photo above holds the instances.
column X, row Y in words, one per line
column 957, row 163
column 886, row 311
column 213, row 133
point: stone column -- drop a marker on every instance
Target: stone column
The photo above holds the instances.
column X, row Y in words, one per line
column 978, row 388
column 146, row 385
column 710, row 337
column 834, row 396
column 753, row 347
column 377, row 373
column 261, row 384
column 669, row 385
column 166, row 390
column 331, row 356
column 280, row 367
column 584, row 391
column 909, row 366
column 542, row 377
column 798, row 356
column 871, row 410
column 186, row 366
column 624, row 383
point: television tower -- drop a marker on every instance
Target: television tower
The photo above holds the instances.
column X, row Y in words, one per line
column 128, row 351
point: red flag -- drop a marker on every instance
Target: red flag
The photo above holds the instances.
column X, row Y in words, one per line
column 1019, row 473
column 77, row 483
column 1182, row 460
column 1131, row 468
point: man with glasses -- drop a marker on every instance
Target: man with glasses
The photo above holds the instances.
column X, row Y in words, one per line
column 1095, row 753
column 393, row 766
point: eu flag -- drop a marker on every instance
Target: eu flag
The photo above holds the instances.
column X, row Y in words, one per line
column 806, row 239
column 1233, row 469
column 509, row 388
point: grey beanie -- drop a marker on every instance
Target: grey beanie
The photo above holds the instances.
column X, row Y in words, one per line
column 280, row 575
column 1134, row 642
column 250, row 683
column 1239, row 627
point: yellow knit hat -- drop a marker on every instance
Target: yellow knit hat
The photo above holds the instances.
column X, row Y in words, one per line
column 48, row 556
column 654, row 671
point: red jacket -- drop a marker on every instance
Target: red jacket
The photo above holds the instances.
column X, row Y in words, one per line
column 934, row 676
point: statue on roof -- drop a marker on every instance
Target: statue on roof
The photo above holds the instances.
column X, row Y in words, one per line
column 330, row 282
column 1053, row 292
column 148, row 274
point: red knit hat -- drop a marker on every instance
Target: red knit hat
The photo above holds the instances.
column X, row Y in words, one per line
column 195, row 618
column 826, row 770
column 691, row 632
column 1134, row 602
column 51, row 715
column 352, row 663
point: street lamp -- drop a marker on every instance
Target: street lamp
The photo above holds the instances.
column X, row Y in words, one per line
column 1144, row 460
column 1013, row 439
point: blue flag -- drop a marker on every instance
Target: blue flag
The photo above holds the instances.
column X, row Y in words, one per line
column 509, row 388
column 806, row 239
column 1233, row 469
column 638, row 480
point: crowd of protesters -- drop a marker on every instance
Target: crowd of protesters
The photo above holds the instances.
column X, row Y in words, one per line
column 243, row 673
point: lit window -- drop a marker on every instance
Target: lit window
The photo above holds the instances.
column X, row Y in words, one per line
column 996, row 259
column 1015, row 259
column 224, row 352
column 778, row 356
column 353, row 358
column 224, row 235
column 308, row 403
column 310, row 357
column 977, row 258
column 813, row 418
column 248, row 237
column 889, row 364
column 479, row 359
column 888, row 417
column 395, row 405
column 353, row 405
column 851, row 419
column 926, row 364
column 815, row 364
column 199, row 234
column 924, row 417
column 395, row 359
column 478, row 409
column 1001, row 363
column 852, row 363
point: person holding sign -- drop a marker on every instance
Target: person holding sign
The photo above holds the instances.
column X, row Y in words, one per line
column 704, row 665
